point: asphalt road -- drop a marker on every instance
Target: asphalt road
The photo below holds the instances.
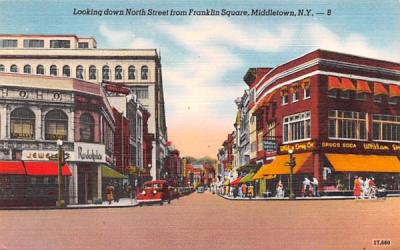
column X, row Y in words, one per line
column 205, row 221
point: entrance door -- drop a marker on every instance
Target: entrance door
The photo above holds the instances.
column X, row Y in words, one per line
column 84, row 185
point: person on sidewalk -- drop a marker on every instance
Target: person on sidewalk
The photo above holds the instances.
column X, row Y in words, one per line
column 315, row 187
column 306, row 184
column 110, row 193
column 244, row 190
column 279, row 189
column 357, row 187
column 372, row 192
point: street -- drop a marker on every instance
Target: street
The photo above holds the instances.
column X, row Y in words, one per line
column 206, row 221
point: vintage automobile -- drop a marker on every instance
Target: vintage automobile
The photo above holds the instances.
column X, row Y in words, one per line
column 156, row 191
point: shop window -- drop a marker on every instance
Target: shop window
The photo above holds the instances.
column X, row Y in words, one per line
column 144, row 72
column 86, row 128
column 14, row 68
column 66, row 71
column 79, row 72
column 22, row 124
column 131, row 73
column 56, row 123
column 53, row 70
column 347, row 125
column 27, row 69
column 297, row 127
column 92, row 72
column 386, row 128
column 40, row 70
column 106, row 73
column 118, row 73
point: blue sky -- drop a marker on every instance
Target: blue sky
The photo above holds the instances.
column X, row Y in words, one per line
column 204, row 58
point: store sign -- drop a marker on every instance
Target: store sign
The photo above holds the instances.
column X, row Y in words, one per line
column 362, row 146
column 40, row 155
column 89, row 152
column 304, row 146
column 269, row 146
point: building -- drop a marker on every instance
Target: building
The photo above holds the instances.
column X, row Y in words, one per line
column 79, row 58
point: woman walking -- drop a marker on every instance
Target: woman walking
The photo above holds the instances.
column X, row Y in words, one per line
column 357, row 187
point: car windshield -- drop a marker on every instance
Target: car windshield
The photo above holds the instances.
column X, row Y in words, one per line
column 153, row 185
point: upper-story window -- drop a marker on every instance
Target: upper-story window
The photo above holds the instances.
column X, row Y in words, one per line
column 305, row 85
column 347, row 125
column 2, row 68
column 66, row 71
column 142, row 92
column 284, row 95
column 362, row 96
column 56, row 44
column 33, row 43
column 83, row 45
column 79, row 72
column 131, row 72
column 86, row 128
column 27, row 69
column 92, row 72
column 13, row 68
column 56, row 123
column 22, row 124
column 295, row 93
column 118, row 73
column 393, row 100
column 53, row 70
column 145, row 72
column 8, row 43
column 40, row 70
column 386, row 128
column 106, row 72
column 345, row 94
column 297, row 127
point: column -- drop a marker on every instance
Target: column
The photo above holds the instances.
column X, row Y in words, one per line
column 99, row 182
column 3, row 122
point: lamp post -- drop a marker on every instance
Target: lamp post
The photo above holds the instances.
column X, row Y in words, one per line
column 60, row 203
column 292, row 164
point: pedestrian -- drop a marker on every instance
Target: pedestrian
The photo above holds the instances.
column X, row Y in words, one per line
column 306, row 184
column 372, row 192
column 110, row 193
column 250, row 192
column 366, row 188
column 244, row 190
column 357, row 187
column 315, row 187
column 279, row 189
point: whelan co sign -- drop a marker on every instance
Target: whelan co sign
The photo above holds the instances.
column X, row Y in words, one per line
column 88, row 152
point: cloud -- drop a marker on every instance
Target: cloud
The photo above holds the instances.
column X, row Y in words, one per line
column 124, row 39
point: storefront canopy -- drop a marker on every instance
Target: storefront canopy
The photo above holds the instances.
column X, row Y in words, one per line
column 45, row 168
column 107, row 172
column 364, row 163
column 12, row 168
column 247, row 178
column 280, row 165
column 235, row 181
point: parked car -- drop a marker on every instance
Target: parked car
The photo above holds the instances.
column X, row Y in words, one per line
column 154, row 192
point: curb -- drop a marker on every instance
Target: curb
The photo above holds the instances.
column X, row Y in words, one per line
column 304, row 199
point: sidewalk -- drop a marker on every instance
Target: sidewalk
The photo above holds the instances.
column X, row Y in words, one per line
column 299, row 198
column 123, row 202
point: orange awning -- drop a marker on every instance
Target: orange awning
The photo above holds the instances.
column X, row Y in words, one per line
column 362, row 87
column 333, row 83
column 394, row 90
column 379, row 89
column 279, row 165
column 347, row 84
column 364, row 163
column 264, row 102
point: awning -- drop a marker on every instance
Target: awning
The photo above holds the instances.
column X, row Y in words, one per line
column 12, row 168
column 44, row 168
column 248, row 177
column 107, row 172
column 264, row 101
column 362, row 87
column 279, row 165
column 333, row 83
column 235, row 181
column 394, row 90
column 347, row 84
column 379, row 89
column 364, row 163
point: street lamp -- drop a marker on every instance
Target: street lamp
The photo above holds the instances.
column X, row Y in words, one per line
column 292, row 164
column 60, row 203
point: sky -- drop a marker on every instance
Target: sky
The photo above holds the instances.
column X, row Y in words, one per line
column 204, row 58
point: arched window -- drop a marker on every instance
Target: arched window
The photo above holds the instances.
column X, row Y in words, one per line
column 118, row 73
column 106, row 72
column 66, row 71
column 22, row 124
column 2, row 68
column 144, row 72
column 56, row 123
column 79, row 72
column 53, row 70
column 13, row 68
column 40, row 70
column 86, row 128
column 92, row 72
column 27, row 69
column 131, row 72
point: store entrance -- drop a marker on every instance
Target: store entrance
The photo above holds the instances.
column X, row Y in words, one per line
column 85, row 184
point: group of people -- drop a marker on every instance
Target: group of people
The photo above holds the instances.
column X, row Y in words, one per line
column 113, row 193
column 242, row 190
column 310, row 188
column 364, row 188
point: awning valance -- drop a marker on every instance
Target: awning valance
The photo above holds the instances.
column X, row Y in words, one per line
column 280, row 165
column 333, row 83
column 12, row 168
column 107, row 172
column 347, row 84
column 362, row 87
column 248, row 177
column 364, row 163
column 379, row 89
column 394, row 90
column 45, row 168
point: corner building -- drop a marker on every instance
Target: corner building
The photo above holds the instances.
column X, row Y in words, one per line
column 339, row 114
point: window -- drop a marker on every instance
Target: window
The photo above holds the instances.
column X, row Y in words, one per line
column 141, row 92
column 260, row 140
column 285, row 99
column 27, row 69
column 295, row 93
column 270, row 138
column 145, row 71
column 344, row 94
column 22, row 124
column 118, row 73
column 53, row 70
column 92, row 72
column 306, row 93
column 2, row 68
column 86, row 128
column 386, row 128
column 8, row 43
column 131, row 73
column 83, row 45
column 56, row 44
column 13, row 68
column 66, row 71
column 33, row 43
column 40, row 70
column 393, row 100
column 362, row 96
column 333, row 93
column 56, row 123
column 79, row 72
column 378, row 98
column 106, row 73
column 297, row 127
column 347, row 125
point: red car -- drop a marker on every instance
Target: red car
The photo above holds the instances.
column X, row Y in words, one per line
column 154, row 192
